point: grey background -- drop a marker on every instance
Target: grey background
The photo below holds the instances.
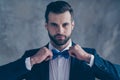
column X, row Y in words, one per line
column 97, row 25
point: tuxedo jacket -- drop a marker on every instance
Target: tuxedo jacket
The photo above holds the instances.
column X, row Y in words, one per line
column 79, row 70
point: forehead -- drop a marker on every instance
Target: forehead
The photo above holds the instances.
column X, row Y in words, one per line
column 59, row 18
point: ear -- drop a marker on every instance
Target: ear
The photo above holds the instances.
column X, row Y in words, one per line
column 46, row 26
column 73, row 24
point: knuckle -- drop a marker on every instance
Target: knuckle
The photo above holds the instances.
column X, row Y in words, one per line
column 44, row 48
column 77, row 45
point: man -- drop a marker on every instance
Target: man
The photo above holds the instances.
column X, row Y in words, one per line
column 60, row 59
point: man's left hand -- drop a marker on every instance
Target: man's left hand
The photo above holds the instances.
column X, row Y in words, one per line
column 79, row 53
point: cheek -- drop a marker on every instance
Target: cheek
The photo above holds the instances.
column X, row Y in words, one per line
column 68, row 31
column 51, row 30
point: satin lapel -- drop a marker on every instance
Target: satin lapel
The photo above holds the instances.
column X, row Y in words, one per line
column 71, row 76
column 46, row 68
column 46, row 71
column 75, row 70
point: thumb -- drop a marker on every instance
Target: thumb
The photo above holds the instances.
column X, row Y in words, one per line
column 48, row 57
column 71, row 53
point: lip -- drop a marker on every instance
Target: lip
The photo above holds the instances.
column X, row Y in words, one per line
column 60, row 37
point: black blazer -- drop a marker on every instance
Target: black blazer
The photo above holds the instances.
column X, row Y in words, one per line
column 79, row 70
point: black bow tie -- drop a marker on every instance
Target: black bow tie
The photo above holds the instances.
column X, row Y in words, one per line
column 65, row 54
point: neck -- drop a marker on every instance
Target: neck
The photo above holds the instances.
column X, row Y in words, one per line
column 61, row 47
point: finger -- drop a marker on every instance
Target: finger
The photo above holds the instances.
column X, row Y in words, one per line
column 71, row 53
column 49, row 56
column 70, row 48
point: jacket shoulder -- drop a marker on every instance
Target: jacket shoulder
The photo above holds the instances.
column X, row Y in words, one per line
column 90, row 50
column 30, row 52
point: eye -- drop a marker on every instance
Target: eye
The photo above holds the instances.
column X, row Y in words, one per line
column 53, row 24
column 65, row 24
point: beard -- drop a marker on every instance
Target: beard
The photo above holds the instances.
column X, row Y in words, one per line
column 59, row 42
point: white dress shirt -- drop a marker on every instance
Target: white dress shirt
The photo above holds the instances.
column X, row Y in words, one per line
column 59, row 68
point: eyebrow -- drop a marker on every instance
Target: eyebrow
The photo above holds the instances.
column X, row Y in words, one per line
column 52, row 23
column 57, row 24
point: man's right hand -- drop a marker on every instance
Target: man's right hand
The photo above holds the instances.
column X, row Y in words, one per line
column 43, row 54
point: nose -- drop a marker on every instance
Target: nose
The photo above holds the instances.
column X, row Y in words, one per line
column 60, row 30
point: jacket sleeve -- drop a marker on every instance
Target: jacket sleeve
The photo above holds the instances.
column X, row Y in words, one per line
column 17, row 69
column 13, row 70
column 103, row 69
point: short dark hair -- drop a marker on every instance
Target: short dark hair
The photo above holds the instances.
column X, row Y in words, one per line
column 58, row 7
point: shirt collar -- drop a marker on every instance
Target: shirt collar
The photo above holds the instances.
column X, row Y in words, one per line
column 50, row 46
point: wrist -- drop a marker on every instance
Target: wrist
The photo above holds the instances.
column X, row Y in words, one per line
column 32, row 61
column 87, row 58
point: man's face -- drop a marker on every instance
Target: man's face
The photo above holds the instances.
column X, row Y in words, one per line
column 59, row 27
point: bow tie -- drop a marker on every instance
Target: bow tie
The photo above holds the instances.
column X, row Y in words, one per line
column 65, row 54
